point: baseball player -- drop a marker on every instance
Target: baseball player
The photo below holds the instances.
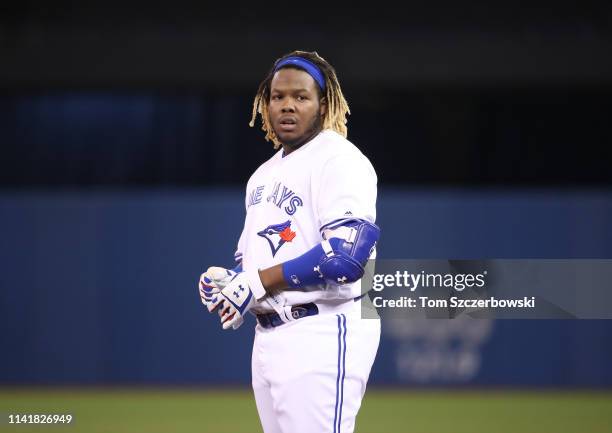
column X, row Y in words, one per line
column 308, row 232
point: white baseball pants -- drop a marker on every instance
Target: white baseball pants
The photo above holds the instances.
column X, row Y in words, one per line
column 310, row 375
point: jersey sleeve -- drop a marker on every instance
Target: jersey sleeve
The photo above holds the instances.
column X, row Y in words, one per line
column 239, row 248
column 346, row 189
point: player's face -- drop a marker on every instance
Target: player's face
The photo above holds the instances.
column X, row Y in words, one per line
column 295, row 109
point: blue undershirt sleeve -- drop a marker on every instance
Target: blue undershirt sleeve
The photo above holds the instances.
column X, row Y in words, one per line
column 302, row 271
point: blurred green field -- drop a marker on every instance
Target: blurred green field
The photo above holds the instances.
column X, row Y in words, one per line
column 383, row 411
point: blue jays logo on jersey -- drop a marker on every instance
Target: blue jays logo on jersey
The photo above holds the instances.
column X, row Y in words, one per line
column 277, row 235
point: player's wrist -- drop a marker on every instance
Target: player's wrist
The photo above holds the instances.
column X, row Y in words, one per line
column 255, row 283
column 272, row 279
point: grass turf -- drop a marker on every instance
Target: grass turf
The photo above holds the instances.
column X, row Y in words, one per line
column 233, row 411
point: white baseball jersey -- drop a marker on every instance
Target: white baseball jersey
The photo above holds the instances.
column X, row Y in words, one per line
column 291, row 199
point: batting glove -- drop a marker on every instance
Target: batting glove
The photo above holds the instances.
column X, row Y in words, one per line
column 210, row 284
column 235, row 299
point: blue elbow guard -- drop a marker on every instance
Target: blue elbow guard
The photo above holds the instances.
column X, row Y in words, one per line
column 339, row 259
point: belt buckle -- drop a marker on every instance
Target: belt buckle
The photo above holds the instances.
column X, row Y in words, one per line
column 298, row 312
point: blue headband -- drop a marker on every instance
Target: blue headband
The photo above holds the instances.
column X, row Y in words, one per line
column 312, row 69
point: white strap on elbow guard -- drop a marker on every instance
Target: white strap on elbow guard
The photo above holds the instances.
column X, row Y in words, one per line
column 343, row 232
column 349, row 234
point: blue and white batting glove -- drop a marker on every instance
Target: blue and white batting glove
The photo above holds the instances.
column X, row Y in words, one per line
column 238, row 297
column 210, row 284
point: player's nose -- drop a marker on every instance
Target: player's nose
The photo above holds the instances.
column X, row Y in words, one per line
column 288, row 107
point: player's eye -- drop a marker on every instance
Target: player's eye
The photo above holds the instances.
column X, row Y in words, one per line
column 301, row 98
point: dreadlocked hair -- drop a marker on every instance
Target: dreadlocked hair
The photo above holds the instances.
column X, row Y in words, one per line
column 337, row 107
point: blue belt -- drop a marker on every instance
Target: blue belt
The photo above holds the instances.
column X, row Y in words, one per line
column 271, row 320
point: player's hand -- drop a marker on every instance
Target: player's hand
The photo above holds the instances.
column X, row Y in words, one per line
column 234, row 300
column 210, row 285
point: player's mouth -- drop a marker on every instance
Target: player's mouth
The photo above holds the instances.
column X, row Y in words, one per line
column 288, row 124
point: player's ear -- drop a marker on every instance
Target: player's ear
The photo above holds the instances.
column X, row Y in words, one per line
column 323, row 106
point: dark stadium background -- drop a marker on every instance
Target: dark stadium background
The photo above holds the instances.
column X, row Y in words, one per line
column 125, row 152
